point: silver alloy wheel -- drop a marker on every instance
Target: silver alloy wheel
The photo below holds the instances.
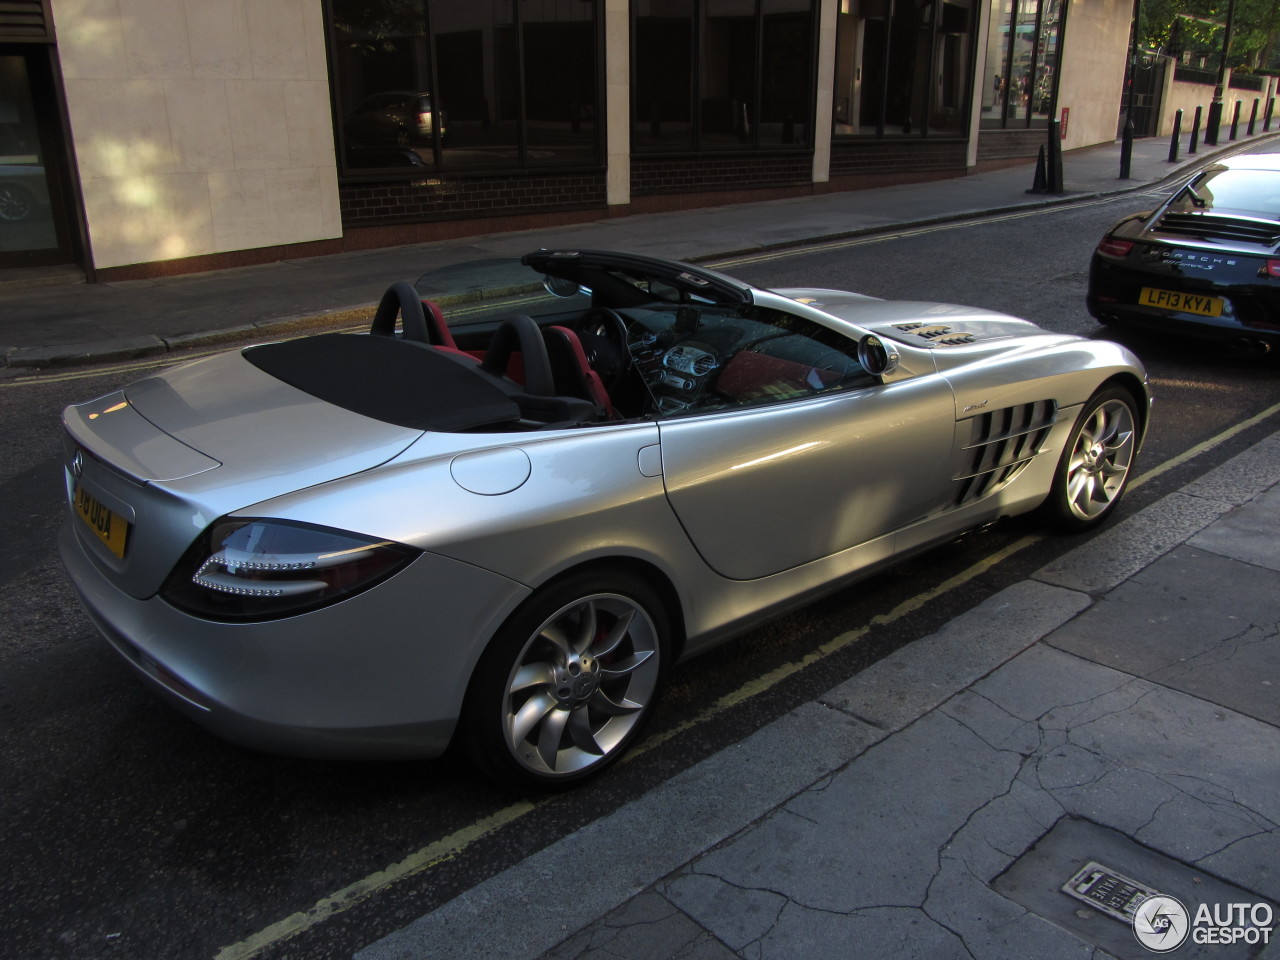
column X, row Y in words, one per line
column 1100, row 457
column 582, row 682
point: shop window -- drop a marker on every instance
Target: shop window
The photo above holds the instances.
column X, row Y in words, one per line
column 423, row 86
column 902, row 68
column 1022, row 63
column 721, row 75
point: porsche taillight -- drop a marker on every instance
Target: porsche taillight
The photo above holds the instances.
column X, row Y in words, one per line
column 1115, row 247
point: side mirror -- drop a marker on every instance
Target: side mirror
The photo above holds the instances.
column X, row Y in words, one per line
column 559, row 286
column 876, row 356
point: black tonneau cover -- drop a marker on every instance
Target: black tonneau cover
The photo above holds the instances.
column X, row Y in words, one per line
column 388, row 379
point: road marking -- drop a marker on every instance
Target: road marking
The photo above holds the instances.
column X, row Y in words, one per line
column 453, row 845
column 429, row 856
column 1203, row 446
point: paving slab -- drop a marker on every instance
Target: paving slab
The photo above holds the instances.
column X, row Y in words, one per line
column 1157, row 624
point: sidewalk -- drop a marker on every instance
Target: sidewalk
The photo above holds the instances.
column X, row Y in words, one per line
column 1119, row 706
column 46, row 326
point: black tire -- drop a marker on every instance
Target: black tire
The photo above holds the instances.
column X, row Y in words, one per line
column 568, row 682
column 1093, row 471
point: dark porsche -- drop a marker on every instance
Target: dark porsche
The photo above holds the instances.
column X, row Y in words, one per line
column 1206, row 264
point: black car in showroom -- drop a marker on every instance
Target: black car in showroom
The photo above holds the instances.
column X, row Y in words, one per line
column 1205, row 264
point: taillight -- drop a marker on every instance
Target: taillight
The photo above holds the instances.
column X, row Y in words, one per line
column 1273, row 268
column 1115, row 247
column 259, row 569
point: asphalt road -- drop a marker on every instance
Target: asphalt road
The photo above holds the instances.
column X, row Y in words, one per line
column 125, row 831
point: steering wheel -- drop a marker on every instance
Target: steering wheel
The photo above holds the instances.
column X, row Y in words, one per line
column 603, row 333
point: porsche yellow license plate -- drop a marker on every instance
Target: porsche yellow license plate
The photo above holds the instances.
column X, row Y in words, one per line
column 107, row 525
column 1181, row 302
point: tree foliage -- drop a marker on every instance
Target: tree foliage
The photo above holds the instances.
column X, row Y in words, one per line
column 1172, row 26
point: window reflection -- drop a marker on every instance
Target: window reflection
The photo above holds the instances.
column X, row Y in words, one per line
column 901, row 67
column 1022, row 62
column 662, row 67
column 721, row 75
column 26, row 217
column 489, row 84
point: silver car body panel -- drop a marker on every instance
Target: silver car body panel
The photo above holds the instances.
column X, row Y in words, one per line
column 326, row 683
column 736, row 513
column 200, row 441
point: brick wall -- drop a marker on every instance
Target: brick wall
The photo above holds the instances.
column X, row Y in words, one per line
column 444, row 198
column 1010, row 144
column 899, row 156
column 660, row 175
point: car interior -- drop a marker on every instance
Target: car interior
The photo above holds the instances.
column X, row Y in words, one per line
column 578, row 367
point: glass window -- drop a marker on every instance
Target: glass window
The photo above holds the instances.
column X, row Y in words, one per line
column 1046, row 61
column 387, row 112
column 901, row 67
column 721, row 74
column 785, row 96
column 727, row 91
column 1022, row 62
column 479, row 84
column 26, row 214
column 662, row 72
column 489, row 84
column 697, row 358
column 560, row 80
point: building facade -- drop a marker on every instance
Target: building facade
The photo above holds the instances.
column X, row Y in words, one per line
column 145, row 137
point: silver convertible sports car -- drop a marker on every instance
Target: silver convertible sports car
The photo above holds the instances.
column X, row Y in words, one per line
column 502, row 530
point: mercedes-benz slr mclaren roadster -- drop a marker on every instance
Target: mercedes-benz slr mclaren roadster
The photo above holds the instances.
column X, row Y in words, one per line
column 501, row 530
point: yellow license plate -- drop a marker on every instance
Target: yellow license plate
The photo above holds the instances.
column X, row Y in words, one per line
column 107, row 525
column 1182, row 302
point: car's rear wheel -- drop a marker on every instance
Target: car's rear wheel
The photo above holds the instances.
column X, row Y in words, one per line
column 568, row 682
column 1094, row 469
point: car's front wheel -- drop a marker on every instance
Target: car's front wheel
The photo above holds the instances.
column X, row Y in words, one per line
column 568, row 682
column 1094, row 469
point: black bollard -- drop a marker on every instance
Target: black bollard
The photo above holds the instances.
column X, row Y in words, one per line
column 1235, row 119
column 1040, row 179
column 1053, row 158
column 1266, row 117
column 1177, row 135
column 1195, row 131
column 1213, row 126
column 1253, row 116
column 1126, row 149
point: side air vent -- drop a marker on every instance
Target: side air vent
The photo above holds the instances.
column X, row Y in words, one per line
column 1208, row 226
column 998, row 445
